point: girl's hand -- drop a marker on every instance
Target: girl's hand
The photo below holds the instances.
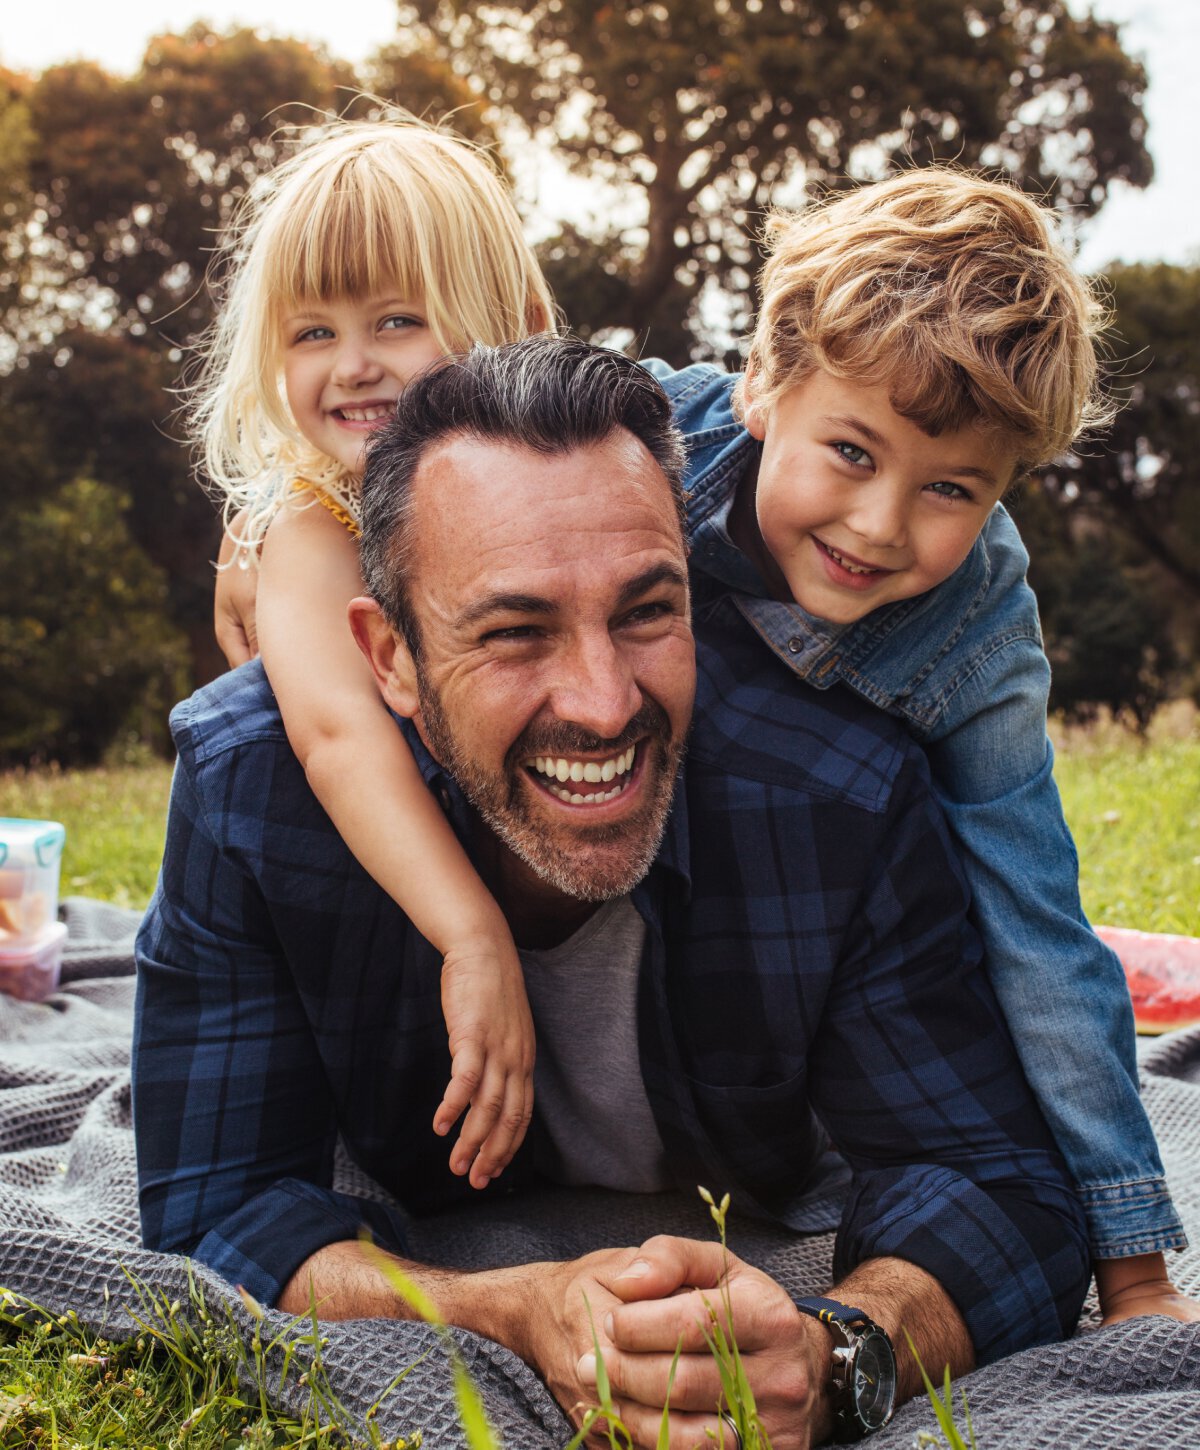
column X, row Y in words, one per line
column 234, row 621
column 492, row 1052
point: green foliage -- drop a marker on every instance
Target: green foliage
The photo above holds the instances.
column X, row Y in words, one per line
column 1107, row 638
column 943, row 1408
column 709, row 112
column 1142, row 481
column 84, row 652
column 737, row 1394
column 185, row 1376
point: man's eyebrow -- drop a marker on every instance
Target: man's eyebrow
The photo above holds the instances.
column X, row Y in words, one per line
column 648, row 579
column 511, row 602
column 857, row 425
column 501, row 602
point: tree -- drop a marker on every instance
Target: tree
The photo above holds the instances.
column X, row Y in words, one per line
column 711, row 110
column 1145, row 477
column 1107, row 625
column 134, row 176
column 84, row 647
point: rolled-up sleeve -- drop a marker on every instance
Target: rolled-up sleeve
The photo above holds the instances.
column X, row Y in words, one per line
column 916, row 1078
column 234, row 1120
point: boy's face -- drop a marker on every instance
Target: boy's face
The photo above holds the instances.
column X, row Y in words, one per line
column 344, row 364
column 855, row 506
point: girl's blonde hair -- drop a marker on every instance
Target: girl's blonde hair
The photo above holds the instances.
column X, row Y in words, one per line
column 951, row 290
column 364, row 208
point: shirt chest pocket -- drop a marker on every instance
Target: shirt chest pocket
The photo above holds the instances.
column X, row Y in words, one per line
column 767, row 1134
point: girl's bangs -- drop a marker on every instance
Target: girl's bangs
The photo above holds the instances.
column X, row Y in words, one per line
column 341, row 240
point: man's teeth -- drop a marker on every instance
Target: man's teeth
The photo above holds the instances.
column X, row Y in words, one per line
column 365, row 415
column 847, row 565
column 593, row 772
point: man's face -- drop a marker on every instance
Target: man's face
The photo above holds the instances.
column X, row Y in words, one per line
column 557, row 664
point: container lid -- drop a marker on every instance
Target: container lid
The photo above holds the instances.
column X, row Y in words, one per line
column 29, row 843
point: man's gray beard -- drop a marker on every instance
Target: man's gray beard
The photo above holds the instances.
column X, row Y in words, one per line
column 502, row 807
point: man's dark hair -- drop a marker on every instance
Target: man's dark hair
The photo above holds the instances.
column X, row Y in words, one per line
column 550, row 394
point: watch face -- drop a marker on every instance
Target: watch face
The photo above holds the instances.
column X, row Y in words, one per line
column 873, row 1380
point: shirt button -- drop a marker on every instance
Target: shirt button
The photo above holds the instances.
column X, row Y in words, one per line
column 444, row 797
column 795, row 644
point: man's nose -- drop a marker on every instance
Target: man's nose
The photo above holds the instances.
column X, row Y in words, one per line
column 354, row 364
column 595, row 688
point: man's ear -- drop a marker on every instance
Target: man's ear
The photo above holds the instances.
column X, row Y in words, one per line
column 387, row 654
column 753, row 413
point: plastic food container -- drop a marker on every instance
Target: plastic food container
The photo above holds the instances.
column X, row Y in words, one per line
column 30, row 857
column 30, row 970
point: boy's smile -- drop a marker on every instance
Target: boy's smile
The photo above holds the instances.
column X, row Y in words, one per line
column 854, row 505
column 344, row 364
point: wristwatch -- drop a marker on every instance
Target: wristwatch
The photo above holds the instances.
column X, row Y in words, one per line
column 864, row 1368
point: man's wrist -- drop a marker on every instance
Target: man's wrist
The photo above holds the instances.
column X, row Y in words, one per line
column 816, row 1347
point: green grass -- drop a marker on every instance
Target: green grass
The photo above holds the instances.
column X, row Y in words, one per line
column 115, row 817
column 186, row 1377
column 1134, row 810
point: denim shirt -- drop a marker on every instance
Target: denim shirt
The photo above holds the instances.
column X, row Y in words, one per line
column 962, row 666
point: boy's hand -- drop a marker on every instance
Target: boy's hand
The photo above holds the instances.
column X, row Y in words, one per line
column 234, row 620
column 1139, row 1285
column 492, row 1051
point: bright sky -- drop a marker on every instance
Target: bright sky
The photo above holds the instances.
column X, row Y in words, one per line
column 1161, row 223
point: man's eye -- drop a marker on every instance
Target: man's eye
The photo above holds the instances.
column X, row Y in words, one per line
column 512, row 634
column 647, row 613
column 852, row 453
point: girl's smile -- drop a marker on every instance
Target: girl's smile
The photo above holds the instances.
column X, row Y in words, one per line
column 344, row 364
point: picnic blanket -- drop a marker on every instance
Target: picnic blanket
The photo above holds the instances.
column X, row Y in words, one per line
column 69, row 1224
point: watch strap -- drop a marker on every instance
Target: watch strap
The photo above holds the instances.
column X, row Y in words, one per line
column 826, row 1309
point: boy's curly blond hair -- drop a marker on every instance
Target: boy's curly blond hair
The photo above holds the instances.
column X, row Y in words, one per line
column 951, row 290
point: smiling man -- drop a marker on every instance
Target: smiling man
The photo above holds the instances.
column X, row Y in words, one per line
column 769, row 936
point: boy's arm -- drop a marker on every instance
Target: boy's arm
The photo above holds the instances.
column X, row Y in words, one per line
column 913, row 1073
column 1062, row 990
column 365, row 777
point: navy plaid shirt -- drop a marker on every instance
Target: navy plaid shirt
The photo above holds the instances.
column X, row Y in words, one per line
column 808, row 971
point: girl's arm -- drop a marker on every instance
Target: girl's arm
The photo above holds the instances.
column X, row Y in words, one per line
column 234, row 599
column 364, row 775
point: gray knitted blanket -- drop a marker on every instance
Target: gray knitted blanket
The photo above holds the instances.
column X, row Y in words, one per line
column 68, row 1224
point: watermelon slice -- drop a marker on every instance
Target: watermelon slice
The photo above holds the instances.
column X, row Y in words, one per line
column 1163, row 973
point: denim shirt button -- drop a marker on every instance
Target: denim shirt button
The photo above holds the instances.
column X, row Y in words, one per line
column 795, row 644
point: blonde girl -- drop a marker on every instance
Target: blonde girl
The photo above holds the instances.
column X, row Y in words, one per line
column 372, row 253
